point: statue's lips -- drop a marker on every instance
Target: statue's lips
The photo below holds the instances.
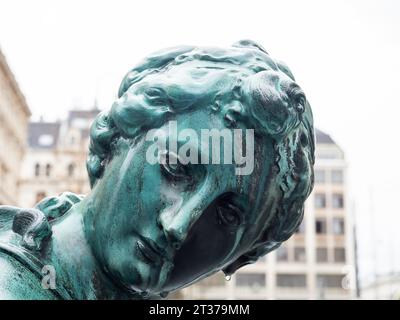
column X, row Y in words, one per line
column 149, row 250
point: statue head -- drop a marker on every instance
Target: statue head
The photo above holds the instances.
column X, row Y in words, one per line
column 156, row 226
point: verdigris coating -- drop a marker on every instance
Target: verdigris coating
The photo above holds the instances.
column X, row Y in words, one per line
column 147, row 229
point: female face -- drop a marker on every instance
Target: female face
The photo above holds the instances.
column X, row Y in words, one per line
column 160, row 226
column 156, row 226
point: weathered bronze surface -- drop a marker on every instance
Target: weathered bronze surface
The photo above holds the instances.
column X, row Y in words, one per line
column 147, row 229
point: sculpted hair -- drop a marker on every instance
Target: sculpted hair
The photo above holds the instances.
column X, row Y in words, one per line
column 291, row 130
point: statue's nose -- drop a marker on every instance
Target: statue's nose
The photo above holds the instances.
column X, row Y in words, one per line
column 176, row 235
column 177, row 221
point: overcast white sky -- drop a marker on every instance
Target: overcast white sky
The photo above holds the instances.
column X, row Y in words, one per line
column 345, row 55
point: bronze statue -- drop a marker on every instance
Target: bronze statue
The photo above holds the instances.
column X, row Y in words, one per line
column 168, row 208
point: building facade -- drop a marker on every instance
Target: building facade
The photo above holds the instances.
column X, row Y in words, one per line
column 14, row 117
column 384, row 287
column 316, row 262
column 55, row 160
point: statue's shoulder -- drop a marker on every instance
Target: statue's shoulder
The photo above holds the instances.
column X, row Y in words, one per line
column 56, row 207
column 24, row 235
column 19, row 282
column 33, row 225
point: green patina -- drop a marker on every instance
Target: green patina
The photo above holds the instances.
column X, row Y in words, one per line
column 148, row 229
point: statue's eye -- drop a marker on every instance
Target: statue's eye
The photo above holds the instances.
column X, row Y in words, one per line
column 229, row 215
column 173, row 167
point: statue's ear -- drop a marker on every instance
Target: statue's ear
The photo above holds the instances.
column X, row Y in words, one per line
column 250, row 257
column 249, row 44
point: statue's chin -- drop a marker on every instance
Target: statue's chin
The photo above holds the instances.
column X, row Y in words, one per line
column 177, row 279
column 154, row 281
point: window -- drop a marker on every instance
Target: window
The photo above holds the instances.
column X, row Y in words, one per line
column 250, row 280
column 337, row 200
column 329, row 280
column 48, row 170
column 291, row 280
column 37, row 170
column 319, row 176
column 320, row 200
column 282, row 254
column 299, row 254
column 340, row 255
column 46, row 140
column 337, row 176
column 320, row 225
column 71, row 170
column 338, row 225
column 322, row 255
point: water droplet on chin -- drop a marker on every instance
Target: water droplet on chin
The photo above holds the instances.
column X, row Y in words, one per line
column 228, row 278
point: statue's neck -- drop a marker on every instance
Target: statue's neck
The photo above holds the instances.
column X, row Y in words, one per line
column 76, row 267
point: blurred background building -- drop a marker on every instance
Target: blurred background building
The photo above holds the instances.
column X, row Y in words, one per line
column 317, row 262
column 385, row 286
column 14, row 117
column 55, row 160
